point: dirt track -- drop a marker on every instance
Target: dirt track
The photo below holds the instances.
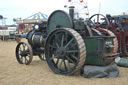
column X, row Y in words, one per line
column 38, row 72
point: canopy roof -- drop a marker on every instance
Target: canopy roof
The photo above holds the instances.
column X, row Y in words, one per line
column 38, row 17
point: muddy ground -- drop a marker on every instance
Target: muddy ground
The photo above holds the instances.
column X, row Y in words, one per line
column 38, row 72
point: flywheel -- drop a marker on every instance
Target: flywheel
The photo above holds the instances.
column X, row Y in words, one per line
column 65, row 51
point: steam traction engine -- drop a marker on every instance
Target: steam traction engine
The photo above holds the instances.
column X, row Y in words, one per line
column 35, row 46
column 68, row 44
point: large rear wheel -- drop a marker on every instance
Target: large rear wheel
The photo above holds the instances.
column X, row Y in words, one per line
column 65, row 51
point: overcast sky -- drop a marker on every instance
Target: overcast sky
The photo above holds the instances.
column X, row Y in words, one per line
column 24, row 8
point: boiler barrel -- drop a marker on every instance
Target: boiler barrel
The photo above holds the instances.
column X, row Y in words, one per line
column 37, row 40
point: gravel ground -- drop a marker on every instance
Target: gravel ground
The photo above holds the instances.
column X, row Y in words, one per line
column 38, row 72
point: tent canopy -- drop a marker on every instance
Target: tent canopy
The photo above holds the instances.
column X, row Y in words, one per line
column 38, row 17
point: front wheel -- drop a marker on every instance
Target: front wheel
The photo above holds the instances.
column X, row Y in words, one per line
column 24, row 54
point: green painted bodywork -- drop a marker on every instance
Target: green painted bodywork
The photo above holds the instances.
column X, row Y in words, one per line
column 96, row 49
column 59, row 19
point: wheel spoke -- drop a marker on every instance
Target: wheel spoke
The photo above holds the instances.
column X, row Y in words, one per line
column 74, row 57
column 57, row 45
column 65, row 65
column 66, row 39
column 97, row 18
column 62, row 41
column 69, row 43
column 72, row 51
column 70, row 60
column 26, row 60
column 57, row 39
column 57, row 62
